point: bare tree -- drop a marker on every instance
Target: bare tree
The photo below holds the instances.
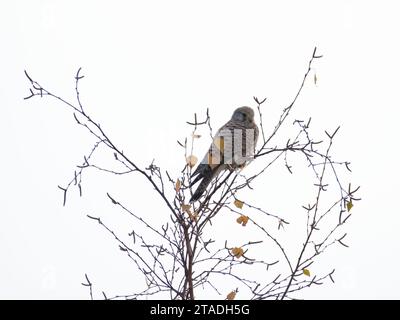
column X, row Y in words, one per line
column 179, row 257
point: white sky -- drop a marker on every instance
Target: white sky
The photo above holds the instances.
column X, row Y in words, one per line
column 149, row 66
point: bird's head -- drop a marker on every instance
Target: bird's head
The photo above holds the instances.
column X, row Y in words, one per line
column 243, row 114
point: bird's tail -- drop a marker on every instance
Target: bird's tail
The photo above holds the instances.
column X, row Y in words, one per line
column 201, row 188
column 204, row 184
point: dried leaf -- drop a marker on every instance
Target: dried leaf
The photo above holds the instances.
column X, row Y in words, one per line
column 186, row 208
column 196, row 136
column 231, row 295
column 306, row 272
column 237, row 252
column 245, row 220
column 193, row 216
column 238, row 204
column 349, row 205
column 242, row 220
column 191, row 161
column 315, row 79
column 177, row 185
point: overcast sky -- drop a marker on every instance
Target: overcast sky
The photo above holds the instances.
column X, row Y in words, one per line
column 149, row 66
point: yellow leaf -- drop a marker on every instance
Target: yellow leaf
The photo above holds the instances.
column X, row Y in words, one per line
column 349, row 205
column 231, row 295
column 245, row 220
column 177, row 185
column 191, row 161
column 242, row 220
column 306, row 272
column 238, row 204
column 239, row 220
column 237, row 252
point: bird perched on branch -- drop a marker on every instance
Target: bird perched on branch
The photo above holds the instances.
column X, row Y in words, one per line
column 232, row 146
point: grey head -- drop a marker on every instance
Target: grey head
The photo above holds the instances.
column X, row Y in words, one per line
column 244, row 114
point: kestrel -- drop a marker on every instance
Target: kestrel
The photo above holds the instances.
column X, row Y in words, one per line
column 233, row 145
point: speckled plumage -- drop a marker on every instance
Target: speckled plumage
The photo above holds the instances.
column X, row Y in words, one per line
column 240, row 135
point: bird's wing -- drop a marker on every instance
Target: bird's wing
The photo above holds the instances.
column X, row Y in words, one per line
column 212, row 164
column 221, row 154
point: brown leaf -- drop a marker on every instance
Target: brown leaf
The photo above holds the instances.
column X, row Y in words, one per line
column 242, row 220
column 193, row 216
column 231, row 295
column 245, row 220
column 177, row 185
column 237, row 252
column 186, row 208
column 238, row 203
